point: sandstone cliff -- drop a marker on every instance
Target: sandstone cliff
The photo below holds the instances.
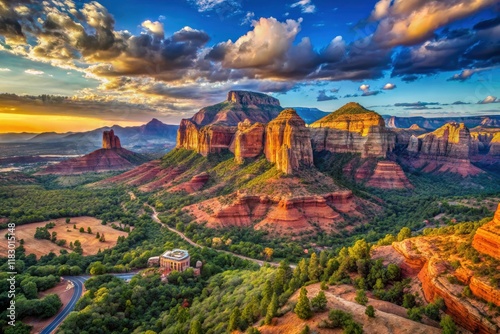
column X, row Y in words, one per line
column 447, row 149
column 352, row 128
column 487, row 237
column 212, row 129
column 288, row 143
column 248, row 141
column 432, row 256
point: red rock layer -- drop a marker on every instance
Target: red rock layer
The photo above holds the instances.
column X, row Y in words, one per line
column 487, row 237
column 288, row 143
column 389, row 175
column 109, row 140
column 282, row 215
column 196, row 183
column 248, row 141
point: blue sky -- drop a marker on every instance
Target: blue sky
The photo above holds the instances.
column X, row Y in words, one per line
column 430, row 58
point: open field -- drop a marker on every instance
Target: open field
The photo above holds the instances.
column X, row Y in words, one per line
column 90, row 243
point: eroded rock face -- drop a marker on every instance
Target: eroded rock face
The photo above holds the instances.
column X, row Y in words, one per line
column 487, row 237
column 195, row 184
column 288, row 143
column 110, row 141
column 213, row 128
column 248, row 141
column 283, row 215
column 388, row 175
column 447, row 149
column 352, row 128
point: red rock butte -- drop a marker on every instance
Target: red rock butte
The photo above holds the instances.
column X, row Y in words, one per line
column 110, row 141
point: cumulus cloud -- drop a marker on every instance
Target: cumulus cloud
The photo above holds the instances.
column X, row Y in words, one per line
column 466, row 74
column 323, row 96
column 404, row 22
column 154, row 27
column 4, row 69
column 364, row 87
column 389, row 86
column 489, row 99
column 222, row 7
column 34, row 72
column 306, row 6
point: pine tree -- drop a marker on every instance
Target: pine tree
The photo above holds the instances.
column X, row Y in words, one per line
column 319, row 302
column 272, row 309
column 303, row 307
column 267, row 294
column 234, row 320
column 195, row 327
column 313, row 268
column 370, row 311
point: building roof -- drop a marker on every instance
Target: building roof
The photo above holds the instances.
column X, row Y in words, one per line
column 176, row 254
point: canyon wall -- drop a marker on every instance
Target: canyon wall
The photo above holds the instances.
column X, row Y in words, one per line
column 487, row 237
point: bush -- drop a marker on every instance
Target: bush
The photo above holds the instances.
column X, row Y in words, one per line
column 319, row 302
column 370, row 311
column 448, row 325
column 361, row 297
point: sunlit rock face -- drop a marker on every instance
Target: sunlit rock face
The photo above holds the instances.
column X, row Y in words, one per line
column 288, row 142
column 213, row 128
column 447, row 149
column 352, row 129
column 487, row 238
column 248, row 141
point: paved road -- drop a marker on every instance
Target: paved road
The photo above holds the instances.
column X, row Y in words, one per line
column 78, row 282
column 154, row 216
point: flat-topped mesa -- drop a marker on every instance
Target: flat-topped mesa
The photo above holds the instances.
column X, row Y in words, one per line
column 251, row 98
column 288, row 142
column 352, row 128
column 213, row 128
column 110, row 141
column 487, row 237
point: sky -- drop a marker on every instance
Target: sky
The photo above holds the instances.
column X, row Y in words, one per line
column 125, row 62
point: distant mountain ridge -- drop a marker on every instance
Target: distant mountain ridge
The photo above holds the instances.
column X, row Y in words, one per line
column 435, row 123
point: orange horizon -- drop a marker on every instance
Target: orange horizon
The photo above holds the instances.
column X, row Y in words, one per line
column 19, row 123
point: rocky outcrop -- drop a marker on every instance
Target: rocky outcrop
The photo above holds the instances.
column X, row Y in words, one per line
column 111, row 157
column 110, row 141
column 487, row 237
column 388, row 175
column 248, row 141
column 352, row 128
column 427, row 256
column 447, row 149
column 195, row 184
column 212, row 129
column 437, row 122
column 283, row 215
column 288, row 143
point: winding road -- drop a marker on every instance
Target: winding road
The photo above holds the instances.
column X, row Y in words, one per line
column 78, row 282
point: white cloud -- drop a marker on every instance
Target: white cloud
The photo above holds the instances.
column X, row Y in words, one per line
column 306, row 6
column 364, row 87
column 154, row 27
column 34, row 72
column 208, row 5
column 248, row 18
column 489, row 99
column 4, row 69
column 389, row 86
